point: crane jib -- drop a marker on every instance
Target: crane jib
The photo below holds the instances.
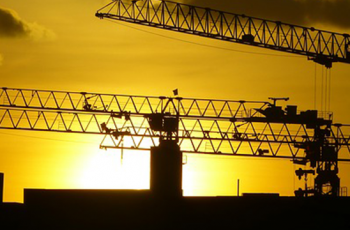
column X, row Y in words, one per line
column 234, row 127
column 323, row 47
column 199, row 126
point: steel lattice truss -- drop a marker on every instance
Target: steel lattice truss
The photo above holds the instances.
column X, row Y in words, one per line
column 120, row 104
column 219, row 127
column 321, row 46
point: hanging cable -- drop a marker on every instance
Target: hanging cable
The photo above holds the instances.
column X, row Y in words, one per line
column 201, row 44
column 122, row 152
column 329, row 90
column 322, row 80
column 45, row 138
column 326, row 91
column 315, row 88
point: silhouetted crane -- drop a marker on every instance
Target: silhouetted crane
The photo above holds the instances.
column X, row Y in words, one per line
column 201, row 126
column 323, row 47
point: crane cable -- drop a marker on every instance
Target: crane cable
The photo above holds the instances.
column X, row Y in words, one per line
column 322, row 89
column 201, row 44
column 315, row 88
column 329, row 89
column 325, row 89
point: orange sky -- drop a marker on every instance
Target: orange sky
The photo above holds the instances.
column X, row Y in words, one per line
column 65, row 47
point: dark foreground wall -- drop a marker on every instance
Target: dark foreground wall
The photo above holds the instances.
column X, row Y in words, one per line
column 133, row 209
column 12, row 216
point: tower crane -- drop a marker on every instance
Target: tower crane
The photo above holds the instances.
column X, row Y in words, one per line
column 323, row 47
column 170, row 126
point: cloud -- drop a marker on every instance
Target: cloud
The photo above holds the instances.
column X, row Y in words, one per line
column 302, row 12
column 12, row 26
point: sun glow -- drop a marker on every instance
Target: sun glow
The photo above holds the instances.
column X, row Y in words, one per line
column 113, row 169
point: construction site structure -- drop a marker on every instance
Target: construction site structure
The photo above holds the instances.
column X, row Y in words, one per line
column 323, row 47
column 170, row 126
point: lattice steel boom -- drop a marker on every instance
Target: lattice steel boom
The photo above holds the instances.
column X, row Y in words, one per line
column 323, row 47
column 205, row 125
column 202, row 126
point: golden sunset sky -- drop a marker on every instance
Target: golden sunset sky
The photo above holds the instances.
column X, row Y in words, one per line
column 61, row 45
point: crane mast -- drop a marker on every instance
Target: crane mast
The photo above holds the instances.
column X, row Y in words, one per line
column 200, row 126
column 323, row 47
